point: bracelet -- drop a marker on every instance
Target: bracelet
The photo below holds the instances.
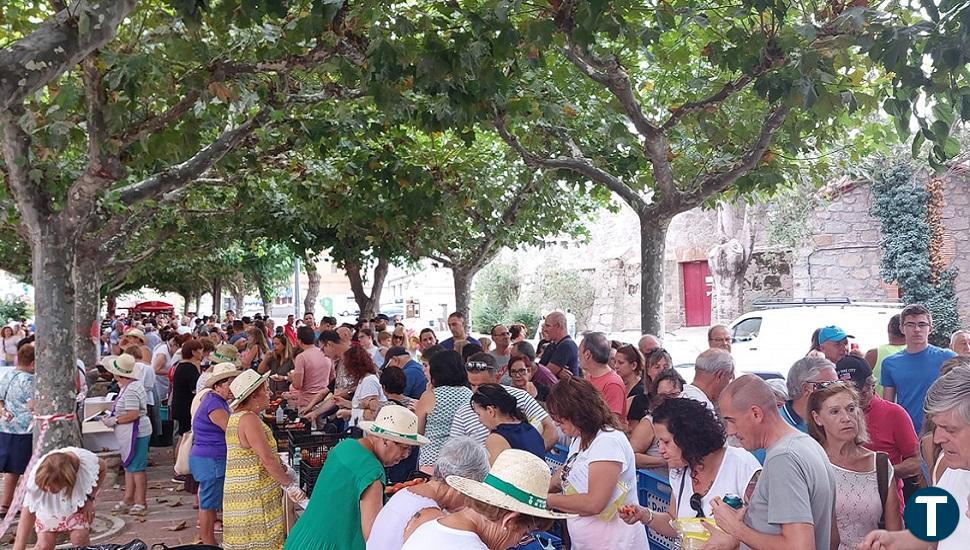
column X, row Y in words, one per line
column 650, row 519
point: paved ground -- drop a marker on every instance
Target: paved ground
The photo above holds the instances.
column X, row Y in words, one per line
column 171, row 517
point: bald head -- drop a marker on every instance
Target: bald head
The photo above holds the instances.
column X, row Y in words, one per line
column 648, row 343
column 746, row 392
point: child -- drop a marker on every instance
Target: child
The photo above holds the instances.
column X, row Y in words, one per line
column 129, row 418
column 59, row 497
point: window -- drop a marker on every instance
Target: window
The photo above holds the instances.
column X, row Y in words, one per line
column 747, row 330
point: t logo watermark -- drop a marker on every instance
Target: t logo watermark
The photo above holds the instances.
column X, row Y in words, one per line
column 932, row 514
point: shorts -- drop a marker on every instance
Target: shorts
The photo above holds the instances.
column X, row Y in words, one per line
column 210, row 473
column 140, row 460
column 73, row 522
column 15, row 451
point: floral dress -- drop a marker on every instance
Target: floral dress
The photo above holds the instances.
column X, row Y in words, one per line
column 253, row 501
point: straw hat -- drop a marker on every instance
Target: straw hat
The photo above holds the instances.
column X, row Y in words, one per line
column 121, row 365
column 397, row 424
column 517, row 482
column 135, row 333
column 226, row 353
column 220, row 372
column 245, row 384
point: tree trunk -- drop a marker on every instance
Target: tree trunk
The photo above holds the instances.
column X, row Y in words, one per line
column 186, row 300
column 463, row 291
column 87, row 308
column 729, row 261
column 266, row 301
column 217, row 298
column 198, row 303
column 55, row 377
column 112, row 304
column 313, row 287
column 653, row 235
column 239, row 297
column 368, row 304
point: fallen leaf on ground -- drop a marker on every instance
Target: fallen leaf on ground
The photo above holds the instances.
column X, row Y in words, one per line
column 177, row 527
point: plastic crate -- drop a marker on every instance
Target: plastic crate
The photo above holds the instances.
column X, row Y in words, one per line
column 653, row 492
column 308, row 476
column 305, row 439
column 557, row 457
column 542, row 540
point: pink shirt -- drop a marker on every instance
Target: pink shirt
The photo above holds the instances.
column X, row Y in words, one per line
column 613, row 390
column 316, row 368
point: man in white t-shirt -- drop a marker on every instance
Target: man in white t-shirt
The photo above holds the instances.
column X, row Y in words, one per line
column 713, row 371
column 946, row 405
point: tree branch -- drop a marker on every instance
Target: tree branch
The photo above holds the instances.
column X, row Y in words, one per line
column 57, row 45
column 725, row 92
column 574, row 164
column 32, row 201
column 154, row 123
column 175, row 176
column 717, row 182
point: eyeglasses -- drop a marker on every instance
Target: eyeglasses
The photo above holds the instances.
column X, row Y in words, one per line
column 518, row 372
column 477, row 366
column 922, row 326
column 697, row 505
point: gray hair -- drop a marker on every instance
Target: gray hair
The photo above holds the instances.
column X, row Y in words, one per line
column 461, row 456
column 948, row 392
column 804, row 370
column 597, row 344
column 715, row 360
column 779, row 388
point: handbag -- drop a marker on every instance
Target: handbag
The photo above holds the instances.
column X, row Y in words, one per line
column 182, row 458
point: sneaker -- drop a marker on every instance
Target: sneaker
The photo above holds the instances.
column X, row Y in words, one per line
column 138, row 510
column 120, row 508
column 181, row 478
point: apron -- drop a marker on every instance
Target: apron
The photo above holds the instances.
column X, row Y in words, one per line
column 127, row 435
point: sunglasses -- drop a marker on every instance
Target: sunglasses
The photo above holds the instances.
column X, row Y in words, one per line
column 477, row 366
column 568, row 465
column 697, row 505
column 826, row 384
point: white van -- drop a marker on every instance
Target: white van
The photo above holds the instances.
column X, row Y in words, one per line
column 767, row 341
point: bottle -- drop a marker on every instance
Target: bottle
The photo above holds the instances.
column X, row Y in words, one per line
column 279, row 416
column 734, row 501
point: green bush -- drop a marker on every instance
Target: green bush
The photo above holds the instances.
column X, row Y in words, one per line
column 14, row 309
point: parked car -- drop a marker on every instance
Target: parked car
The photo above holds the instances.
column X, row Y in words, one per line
column 768, row 340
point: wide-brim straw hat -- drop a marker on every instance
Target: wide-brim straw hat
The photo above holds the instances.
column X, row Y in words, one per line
column 395, row 423
column 245, row 384
column 121, row 365
column 135, row 333
column 517, row 482
column 226, row 353
column 221, row 372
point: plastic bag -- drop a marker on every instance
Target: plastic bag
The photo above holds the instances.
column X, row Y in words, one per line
column 185, row 547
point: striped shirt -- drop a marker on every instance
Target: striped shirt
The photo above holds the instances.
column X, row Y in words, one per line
column 466, row 421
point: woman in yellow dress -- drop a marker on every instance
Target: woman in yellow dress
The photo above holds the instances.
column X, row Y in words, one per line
column 255, row 477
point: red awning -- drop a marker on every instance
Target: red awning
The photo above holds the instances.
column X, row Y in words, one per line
column 153, row 307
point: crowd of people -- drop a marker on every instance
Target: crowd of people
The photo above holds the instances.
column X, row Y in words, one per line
column 823, row 459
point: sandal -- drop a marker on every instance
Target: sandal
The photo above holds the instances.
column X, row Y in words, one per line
column 138, row 510
column 120, row 508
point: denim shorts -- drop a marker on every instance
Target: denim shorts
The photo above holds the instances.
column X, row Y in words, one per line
column 210, row 473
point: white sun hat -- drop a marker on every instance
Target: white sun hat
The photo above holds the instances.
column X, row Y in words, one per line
column 517, row 482
column 220, row 372
column 245, row 384
column 121, row 365
column 397, row 424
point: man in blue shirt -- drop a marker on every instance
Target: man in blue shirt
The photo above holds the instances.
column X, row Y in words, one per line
column 413, row 371
column 561, row 356
column 908, row 374
column 459, row 338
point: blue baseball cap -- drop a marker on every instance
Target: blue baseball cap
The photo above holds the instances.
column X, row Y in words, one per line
column 832, row 333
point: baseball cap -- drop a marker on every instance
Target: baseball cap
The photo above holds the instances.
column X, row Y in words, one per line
column 853, row 369
column 395, row 351
column 381, row 317
column 832, row 333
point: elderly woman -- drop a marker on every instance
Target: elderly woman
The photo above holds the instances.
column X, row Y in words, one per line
column 352, row 483
column 129, row 418
column 16, row 419
column 436, row 409
column 460, row 456
column 207, row 457
column 599, row 475
column 701, row 467
column 838, row 424
column 255, row 477
column 502, row 509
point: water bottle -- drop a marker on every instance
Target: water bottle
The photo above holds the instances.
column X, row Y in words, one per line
column 279, row 416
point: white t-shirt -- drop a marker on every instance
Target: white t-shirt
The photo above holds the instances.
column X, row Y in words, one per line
column 435, row 536
column 394, row 517
column 148, row 380
column 737, row 468
column 957, row 482
column 369, row 386
column 162, row 385
column 691, row 391
column 592, row 532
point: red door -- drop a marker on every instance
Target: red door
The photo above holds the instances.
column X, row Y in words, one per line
column 697, row 294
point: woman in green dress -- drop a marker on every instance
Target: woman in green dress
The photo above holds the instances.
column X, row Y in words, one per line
column 349, row 491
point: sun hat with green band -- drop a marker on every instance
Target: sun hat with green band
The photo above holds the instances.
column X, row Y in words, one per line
column 121, row 365
column 397, row 424
column 225, row 353
column 517, row 482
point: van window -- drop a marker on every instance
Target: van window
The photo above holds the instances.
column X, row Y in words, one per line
column 747, row 329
